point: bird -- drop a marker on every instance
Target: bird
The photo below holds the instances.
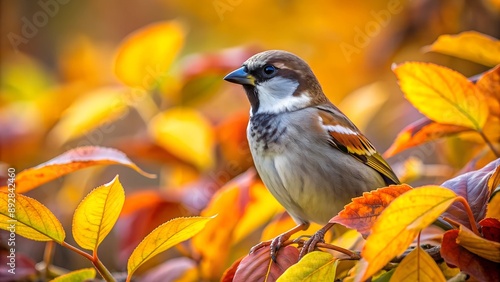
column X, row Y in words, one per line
column 309, row 155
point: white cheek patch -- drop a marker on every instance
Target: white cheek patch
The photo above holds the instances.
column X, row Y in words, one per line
column 276, row 95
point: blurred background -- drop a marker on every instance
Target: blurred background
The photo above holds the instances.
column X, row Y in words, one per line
column 64, row 85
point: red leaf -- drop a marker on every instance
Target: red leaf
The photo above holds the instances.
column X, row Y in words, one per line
column 24, row 267
column 473, row 186
column 474, row 265
column 258, row 266
column 228, row 275
column 363, row 211
column 491, row 229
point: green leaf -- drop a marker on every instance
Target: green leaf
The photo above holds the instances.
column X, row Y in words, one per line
column 76, row 276
column 315, row 266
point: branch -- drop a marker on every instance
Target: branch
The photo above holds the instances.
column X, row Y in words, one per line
column 488, row 142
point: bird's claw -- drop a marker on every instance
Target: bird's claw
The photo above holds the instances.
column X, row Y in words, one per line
column 310, row 244
column 274, row 246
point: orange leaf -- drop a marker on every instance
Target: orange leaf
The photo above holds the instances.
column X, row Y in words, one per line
column 489, row 84
column 213, row 243
column 469, row 45
column 482, row 247
column 399, row 224
column 261, row 207
column 231, row 135
column 145, row 55
column 442, row 94
column 258, row 266
column 363, row 211
column 419, row 132
column 493, row 209
column 284, row 222
column 418, row 266
column 70, row 161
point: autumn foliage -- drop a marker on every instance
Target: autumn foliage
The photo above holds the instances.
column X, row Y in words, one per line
column 207, row 206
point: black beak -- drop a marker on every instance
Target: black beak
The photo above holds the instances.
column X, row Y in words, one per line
column 240, row 76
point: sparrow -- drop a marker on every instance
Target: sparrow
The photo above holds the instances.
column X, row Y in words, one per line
column 309, row 155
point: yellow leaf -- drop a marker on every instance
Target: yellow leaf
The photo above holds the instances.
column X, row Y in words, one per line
column 469, row 45
column 98, row 108
column 29, row 218
column 400, row 222
column 145, row 55
column 70, row 161
column 493, row 209
column 186, row 134
column 163, row 237
column 442, row 94
column 418, row 266
column 315, row 266
column 77, row 275
column 97, row 214
column 261, row 208
column 482, row 247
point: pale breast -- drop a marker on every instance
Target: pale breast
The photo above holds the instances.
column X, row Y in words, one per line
column 310, row 178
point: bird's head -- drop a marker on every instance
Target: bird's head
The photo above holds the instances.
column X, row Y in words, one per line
column 277, row 81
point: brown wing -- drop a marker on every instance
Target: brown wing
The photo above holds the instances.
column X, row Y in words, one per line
column 347, row 138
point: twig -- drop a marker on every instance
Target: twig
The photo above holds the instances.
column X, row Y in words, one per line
column 433, row 251
column 48, row 255
column 488, row 142
column 103, row 271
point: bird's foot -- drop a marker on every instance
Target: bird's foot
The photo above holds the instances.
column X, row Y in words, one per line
column 318, row 237
column 274, row 245
column 309, row 245
column 278, row 242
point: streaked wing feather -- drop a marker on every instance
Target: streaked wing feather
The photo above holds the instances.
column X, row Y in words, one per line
column 347, row 138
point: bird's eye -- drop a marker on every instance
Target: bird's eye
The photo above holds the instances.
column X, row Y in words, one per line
column 269, row 70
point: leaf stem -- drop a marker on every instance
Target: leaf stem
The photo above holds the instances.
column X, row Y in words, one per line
column 352, row 255
column 103, row 271
column 48, row 255
column 488, row 142
column 472, row 220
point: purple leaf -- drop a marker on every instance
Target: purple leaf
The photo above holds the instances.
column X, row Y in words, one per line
column 473, row 186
